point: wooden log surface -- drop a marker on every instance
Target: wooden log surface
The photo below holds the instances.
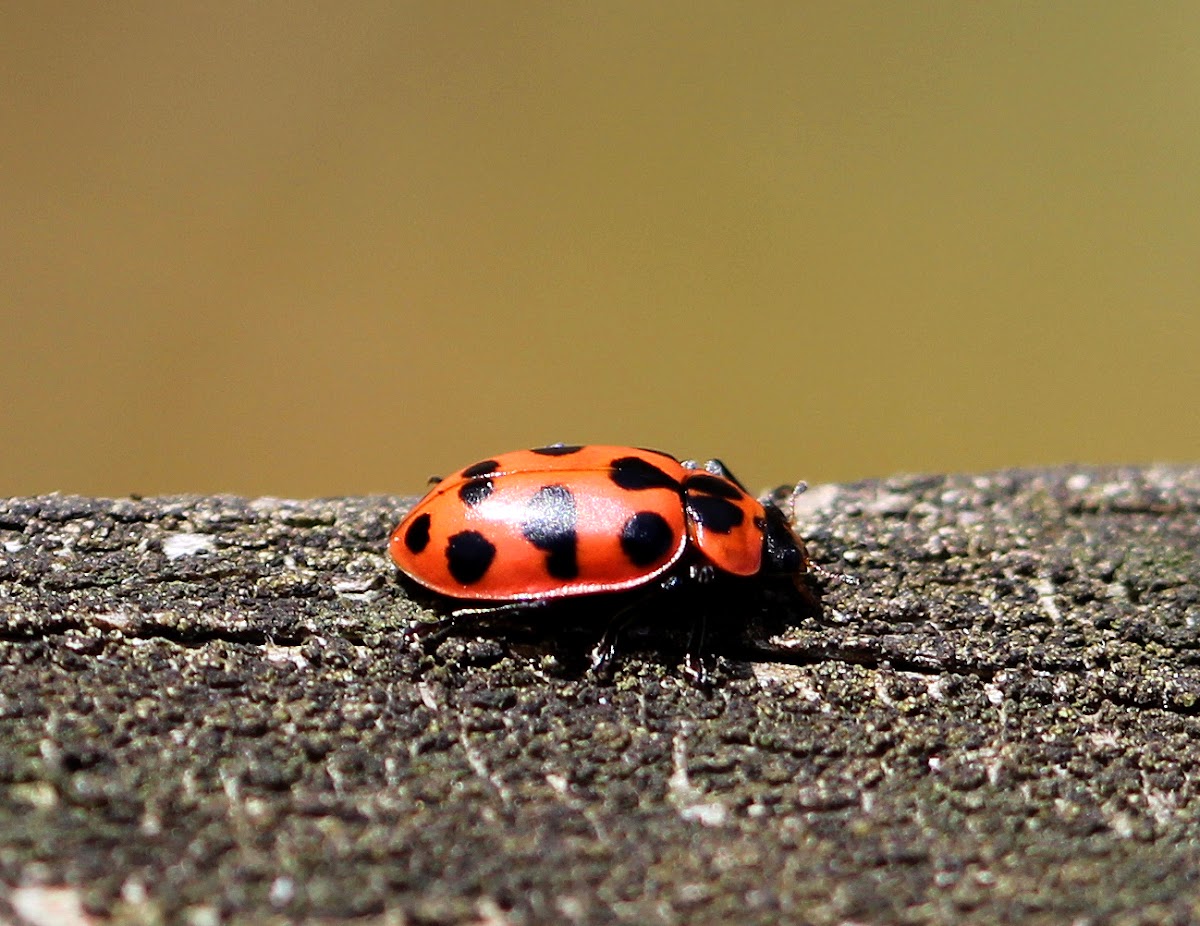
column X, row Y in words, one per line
column 208, row 713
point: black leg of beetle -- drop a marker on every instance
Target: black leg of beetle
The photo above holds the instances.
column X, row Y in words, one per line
column 511, row 607
column 425, row 632
column 464, row 618
column 604, row 650
column 695, row 666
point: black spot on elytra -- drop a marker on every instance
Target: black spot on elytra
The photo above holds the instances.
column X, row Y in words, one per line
column 469, row 555
column 473, row 491
column 647, row 538
column 550, row 526
column 558, row 450
column 715, row 514
column 483, row 468
column 634, row 473
column 416, row 538
column 712, row 485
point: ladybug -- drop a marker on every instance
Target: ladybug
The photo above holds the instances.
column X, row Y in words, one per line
column 526, row 528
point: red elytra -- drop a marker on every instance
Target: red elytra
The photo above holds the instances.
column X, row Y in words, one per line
column 563, row 521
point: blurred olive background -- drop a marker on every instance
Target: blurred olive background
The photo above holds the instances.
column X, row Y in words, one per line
column 333, row 248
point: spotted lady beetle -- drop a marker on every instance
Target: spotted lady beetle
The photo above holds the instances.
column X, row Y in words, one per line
column 526, row 528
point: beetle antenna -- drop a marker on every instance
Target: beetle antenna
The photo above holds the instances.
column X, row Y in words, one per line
column 829, row 575
column 799, row 489
column 839, row 578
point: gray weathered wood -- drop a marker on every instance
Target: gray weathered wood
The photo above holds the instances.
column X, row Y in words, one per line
column 207, row 713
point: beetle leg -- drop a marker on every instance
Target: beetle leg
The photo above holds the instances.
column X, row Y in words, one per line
column 695, row 666
column 463, row 618
column 606, row 648
column 603, row 652
column 506, row 608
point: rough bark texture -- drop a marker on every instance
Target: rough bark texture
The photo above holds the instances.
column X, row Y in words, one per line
column 208, row 713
